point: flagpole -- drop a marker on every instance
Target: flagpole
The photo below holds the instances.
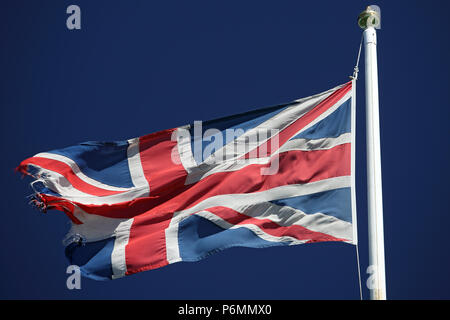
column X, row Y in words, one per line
column 369, row 20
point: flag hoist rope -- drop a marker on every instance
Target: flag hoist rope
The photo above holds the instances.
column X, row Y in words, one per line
column 354, row 77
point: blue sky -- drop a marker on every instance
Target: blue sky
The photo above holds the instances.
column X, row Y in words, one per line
column 137, row 67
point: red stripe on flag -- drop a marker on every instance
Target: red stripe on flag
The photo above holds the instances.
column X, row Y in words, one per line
column 166, row 175
column 270, row 227
column 161, row 163
column 146, row 248
column 295, row 167
column 288, row 132
column 66, row 171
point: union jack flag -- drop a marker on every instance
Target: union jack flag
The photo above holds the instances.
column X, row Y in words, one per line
column 282, row 175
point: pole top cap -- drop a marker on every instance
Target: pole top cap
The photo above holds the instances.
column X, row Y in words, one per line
column 371, row 17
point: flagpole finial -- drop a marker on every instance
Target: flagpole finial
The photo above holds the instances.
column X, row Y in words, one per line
column 370, row 17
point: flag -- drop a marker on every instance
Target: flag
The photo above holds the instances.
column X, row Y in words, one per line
column 282, row 175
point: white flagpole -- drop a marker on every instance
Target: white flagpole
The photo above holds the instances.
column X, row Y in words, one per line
column 369, row 20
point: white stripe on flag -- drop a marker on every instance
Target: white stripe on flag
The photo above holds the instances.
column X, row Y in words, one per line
column 135, row 166
column 118, row 258
column 77, row 171
column 58, row 183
